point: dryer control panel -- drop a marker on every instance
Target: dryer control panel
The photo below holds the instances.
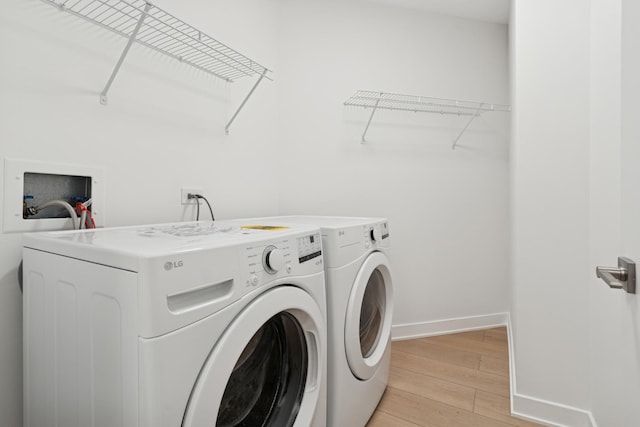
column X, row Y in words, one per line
column 345, row 243
column 376, row 234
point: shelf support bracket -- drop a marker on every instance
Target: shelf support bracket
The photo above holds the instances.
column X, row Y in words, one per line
column 375, row 107
column 464, row 129
column 132, row 38
column 226, row 128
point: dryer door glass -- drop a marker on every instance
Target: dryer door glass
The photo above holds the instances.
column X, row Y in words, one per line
column 267, row 383
column 372, row 313
column 367, row 329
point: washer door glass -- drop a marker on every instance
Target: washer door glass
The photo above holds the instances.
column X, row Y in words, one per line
column 268, row 367
column 368, row 318
column 268, row 380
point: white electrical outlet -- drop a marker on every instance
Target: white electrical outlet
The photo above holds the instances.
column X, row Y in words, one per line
column 185, row 193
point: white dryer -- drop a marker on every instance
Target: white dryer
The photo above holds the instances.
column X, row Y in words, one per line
column 359, row 312
column 188, row 324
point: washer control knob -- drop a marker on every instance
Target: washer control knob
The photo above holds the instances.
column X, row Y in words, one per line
column 254, row 280
column 274, row 260
column 376, row 236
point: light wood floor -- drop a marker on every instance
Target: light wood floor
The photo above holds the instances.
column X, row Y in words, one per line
column 458, row 380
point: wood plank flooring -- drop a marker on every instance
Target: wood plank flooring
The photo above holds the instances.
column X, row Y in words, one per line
column 457, row 380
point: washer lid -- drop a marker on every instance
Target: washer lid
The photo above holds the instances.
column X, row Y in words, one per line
column 121, row 247
column 368, row 318
column 266, row 370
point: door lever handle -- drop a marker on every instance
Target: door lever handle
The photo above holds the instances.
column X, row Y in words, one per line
column 621, row 277
column 612, row 276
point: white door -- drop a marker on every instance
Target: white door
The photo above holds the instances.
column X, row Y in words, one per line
column 266, row 369
column 369, row 316
column 615, row 210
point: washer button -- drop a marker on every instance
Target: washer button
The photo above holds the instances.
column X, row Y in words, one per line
column 254, row 280
column 273, row 259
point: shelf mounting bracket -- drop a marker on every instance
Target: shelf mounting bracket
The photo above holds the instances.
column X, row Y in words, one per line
column 375, row 107
column 464, row 129
column 132, row 38
column 226, row 128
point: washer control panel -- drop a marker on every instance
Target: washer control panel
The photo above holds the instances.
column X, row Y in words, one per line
column 283, row 257
column 272, row 259
column 309, row 247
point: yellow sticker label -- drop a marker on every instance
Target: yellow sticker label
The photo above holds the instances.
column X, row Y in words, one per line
column 264, row 227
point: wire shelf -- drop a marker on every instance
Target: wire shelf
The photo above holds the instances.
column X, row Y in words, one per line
column 421, row 104
column 163, row 32
column 141, row 22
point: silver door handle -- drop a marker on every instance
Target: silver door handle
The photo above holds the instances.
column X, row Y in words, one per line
column 621, row 277
column 612, row 276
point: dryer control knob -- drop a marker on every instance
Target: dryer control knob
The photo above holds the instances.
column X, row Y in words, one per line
column 274, row 260
column 376, row 236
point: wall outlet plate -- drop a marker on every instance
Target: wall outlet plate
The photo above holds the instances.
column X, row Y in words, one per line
column 184, row 200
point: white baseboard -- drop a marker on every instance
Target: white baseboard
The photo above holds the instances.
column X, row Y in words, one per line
column 529, row 408
column 448, row 326
column 549, row 413
column 538, row 410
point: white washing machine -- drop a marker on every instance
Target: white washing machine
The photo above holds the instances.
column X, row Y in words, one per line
column 188, row 324
column 359, row 313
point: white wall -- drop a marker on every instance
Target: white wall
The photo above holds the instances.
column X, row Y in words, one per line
column 550, row 205
column 294, row 149
column 163, row 128
column 447, row 208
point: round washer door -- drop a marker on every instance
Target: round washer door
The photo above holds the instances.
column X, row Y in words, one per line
column 266, row 368
column 368, row 318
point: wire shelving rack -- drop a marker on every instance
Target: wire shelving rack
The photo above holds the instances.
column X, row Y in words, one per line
column 421, row 104
column 142, row 22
